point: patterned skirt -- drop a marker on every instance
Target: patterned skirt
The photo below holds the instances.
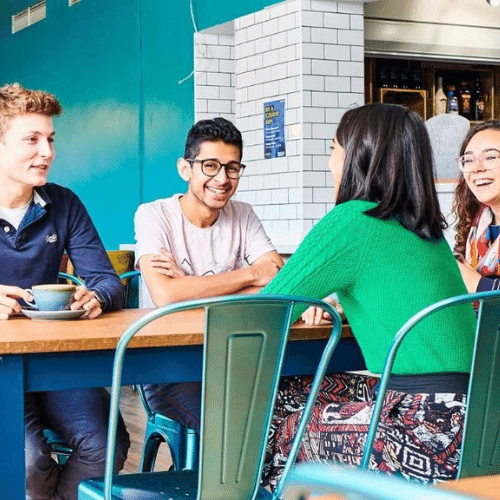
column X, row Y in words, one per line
column 418, row 437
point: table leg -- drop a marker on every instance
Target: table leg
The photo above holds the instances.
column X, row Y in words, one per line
column 12, row 475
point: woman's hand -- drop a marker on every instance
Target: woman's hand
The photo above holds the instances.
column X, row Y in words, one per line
column 470, row 276
column 86, row 299
column 315, row 315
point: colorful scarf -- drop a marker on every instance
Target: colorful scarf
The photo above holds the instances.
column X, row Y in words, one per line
column 480, row 252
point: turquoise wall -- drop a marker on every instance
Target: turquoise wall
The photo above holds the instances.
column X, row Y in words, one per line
column 115, row 67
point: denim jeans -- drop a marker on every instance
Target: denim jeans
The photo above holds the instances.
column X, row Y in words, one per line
column 80, row 417
column 180, row 402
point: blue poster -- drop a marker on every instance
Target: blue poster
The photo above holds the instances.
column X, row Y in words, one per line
column 274, row 129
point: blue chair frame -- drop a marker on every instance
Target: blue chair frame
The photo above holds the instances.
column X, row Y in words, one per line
column 481, row 435
column 276, row 312
column 316, row 479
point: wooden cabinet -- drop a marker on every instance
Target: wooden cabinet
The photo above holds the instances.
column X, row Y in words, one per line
column 423, row 100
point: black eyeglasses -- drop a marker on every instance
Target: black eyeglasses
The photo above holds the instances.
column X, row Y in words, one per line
column 211, row 167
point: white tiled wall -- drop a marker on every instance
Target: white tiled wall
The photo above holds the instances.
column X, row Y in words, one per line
column 308, row 53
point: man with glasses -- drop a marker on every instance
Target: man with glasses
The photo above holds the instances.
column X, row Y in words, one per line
column 201, row 244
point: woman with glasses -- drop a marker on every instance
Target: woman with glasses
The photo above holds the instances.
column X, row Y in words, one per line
column 477, row 208
column 381, row 249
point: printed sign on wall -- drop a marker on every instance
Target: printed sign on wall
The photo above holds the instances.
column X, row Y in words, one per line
column 274, row 129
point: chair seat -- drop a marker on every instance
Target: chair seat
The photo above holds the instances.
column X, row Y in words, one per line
column 151, row 486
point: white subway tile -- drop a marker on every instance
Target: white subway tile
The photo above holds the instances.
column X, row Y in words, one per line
column 351, row 37
column 334, row 115
column 261, row 76
column 261, row 16
column 293, row 68
column 288, row 211
column 288, row 85
column 287, row 22
column 206, row 38
column 218, row 52
column 314, row 210
column 351, row 99
column 306, row 34
column 241, row 94
column 322, row 195
column 357, row 22
column 325, row 99
column 206, row 92
column 264, row 197
column 337, row 84
column 278, row 10
column 357, row 53
column 351, row 7
column 307, row 194
column 227, row 66
column 255, row 92
column 293, row 6
column 278, row 72
column 201, row 105
column 272, row 181
column 294, row 100
column 294, row 162
column 322, row 131
column 357, row 84
column 324, row 35
column 292, row 148
column 241, row 65
column 278, row 40
column 263, row 45
column 312, row 147
column 227, row 93
column 246, row 79
column 289, row 180
column 245, row 21
column 226, row 39
column 219, row 106
column 271, row 90
column 270, row 27
column 279, row 196
column 254, row 32
column 200, row 77
column 245, row 49
column 327, row 68
column 313, row 82
column 338, row 52
column 314, row 115
column 294, row 36
column 288, row 53
column 347, row 68
column 334, row 20
column 313, row 50
column 312, row 19
column 307, row 66
column 247, row 108
column 307, row 131
column 324, row 5
column 255, row 62
column 219, row 79
column 320, row 162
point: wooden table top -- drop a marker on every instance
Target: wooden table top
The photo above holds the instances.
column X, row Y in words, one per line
column 21, row 335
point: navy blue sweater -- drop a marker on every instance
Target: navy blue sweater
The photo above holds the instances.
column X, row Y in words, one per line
column 32, row 254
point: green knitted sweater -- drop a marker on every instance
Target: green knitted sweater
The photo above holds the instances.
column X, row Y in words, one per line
column 383, row 274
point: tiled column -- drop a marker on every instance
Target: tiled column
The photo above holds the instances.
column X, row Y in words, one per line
column 309, row 53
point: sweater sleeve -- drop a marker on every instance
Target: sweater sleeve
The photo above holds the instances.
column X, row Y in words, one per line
column 329, row 257
column 485, row 284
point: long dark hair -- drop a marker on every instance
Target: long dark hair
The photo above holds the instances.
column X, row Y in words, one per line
column 388, row 160
column 465, row 205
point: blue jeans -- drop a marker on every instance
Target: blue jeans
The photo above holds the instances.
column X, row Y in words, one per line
column 180, row 402
column 80, row 417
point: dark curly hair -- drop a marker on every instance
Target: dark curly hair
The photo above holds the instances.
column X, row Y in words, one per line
column 216, row 129
column 465, row 205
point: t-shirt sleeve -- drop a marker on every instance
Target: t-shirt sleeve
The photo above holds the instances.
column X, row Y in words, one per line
column 150, row 231
column 257, row 241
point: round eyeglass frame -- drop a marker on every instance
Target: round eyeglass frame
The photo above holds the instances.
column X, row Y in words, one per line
column 476, row 159
column 221, row 165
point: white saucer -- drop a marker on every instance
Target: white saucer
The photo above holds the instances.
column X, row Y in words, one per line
column 53, row 315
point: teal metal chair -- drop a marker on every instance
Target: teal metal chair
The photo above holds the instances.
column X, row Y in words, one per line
column 309, row 480
column 71, row 277
column 244, row 345
column 480, row 454
column 182, row 441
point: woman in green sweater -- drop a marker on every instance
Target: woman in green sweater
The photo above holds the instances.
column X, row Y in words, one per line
column 381, row 249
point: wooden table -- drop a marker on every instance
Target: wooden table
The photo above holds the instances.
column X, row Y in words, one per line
column 56, row 355
column 485, row 487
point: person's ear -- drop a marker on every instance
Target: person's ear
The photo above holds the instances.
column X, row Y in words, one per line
column 184, row 169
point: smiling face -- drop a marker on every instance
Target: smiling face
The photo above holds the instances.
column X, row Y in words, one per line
column 336, row 165
column 484, row 184
column 26, row 153
column 207, row 196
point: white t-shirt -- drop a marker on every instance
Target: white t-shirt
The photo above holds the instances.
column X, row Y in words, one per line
column 235, row 240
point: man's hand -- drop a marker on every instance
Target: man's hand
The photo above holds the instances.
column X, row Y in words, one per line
column 315, row 315
column 8, row 303
column 265, row 268
column 86, row 299
column 164, row 263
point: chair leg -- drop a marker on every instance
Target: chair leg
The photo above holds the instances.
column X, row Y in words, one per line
column 149, row 453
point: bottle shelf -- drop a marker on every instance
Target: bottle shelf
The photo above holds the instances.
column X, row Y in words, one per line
column 415, row 99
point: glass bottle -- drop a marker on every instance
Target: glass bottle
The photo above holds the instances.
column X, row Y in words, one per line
column 440, row 98
column 464, row 100
column 394, row 75
column 477, row 102
column 452, row 101
column 405, row 75
column 416, row 75
column 383, row 73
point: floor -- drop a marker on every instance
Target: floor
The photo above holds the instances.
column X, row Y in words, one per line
column 135, row 419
